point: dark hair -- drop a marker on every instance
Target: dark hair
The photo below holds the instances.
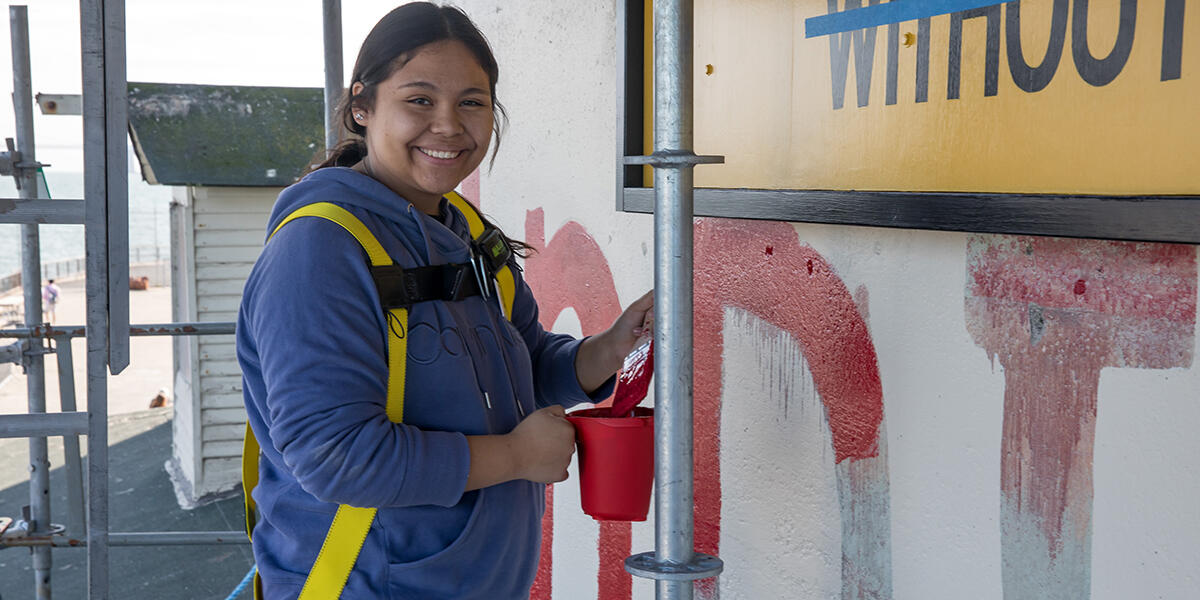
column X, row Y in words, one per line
column 388, row 47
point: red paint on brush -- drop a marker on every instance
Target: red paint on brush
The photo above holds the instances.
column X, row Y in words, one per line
column 571, row 272
column 634, row 380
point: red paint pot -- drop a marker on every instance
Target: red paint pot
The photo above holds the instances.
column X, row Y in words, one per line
column 616, row 463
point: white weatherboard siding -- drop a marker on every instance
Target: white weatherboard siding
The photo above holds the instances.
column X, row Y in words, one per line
column 218, row 234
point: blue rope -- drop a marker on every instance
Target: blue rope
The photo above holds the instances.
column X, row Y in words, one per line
column 237, row 591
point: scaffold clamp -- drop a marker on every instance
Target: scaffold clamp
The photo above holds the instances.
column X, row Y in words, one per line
column 674, row 159
column 702, row 566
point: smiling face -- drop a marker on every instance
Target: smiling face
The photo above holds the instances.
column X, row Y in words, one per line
column 430, row 125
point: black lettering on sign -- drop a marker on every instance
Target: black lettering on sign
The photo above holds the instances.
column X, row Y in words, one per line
column 1034, row 79
column 863, row 41
column 923, row 60
column 1095, row 71
column 893, row 61
column 1101, row 71
column 1172, row 51
column 991, row 69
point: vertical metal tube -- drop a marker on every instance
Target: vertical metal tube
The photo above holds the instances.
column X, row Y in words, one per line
column 72, row 460
column 673, row 292
column 31, row 276
column 116, row 161
column 334, row 80
column 95, row 176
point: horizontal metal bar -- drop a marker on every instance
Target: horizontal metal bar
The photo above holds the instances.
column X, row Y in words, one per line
column 157, row 329
column 156, row 538
column 674, row 159
column 41, row 212
column 177, row 538
column 1135, row 218
column 43, row 424
column 60, row 104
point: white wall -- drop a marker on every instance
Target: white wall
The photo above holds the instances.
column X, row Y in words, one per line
column 938, row 529
column 222, row 231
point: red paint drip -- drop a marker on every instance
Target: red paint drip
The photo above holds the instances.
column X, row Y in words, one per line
column 634, row 381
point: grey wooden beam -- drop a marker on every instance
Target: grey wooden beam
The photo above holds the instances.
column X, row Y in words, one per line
column 41, row 212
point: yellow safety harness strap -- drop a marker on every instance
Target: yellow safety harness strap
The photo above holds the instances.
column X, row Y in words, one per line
column 350, row 524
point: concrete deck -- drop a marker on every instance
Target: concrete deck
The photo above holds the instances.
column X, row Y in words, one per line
column 141, row 495
column 149, row 368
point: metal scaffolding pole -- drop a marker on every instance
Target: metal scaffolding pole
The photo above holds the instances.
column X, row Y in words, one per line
column 31, row 277
column 106, row 229
column 334, row 80
column 674, row 564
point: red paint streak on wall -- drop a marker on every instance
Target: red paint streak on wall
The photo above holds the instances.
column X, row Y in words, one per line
column 571, row 272
column 541, row 589
column 1056, row 312
column 794, row 288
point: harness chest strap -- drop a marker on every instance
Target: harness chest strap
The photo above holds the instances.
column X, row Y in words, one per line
column 351, row 524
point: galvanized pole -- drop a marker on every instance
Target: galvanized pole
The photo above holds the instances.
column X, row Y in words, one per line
column 674, row 565
column 673, row 293
column 31, row 276
column 334, row 80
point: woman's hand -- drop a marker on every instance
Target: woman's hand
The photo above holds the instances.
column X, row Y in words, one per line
column 544, row 443
column 538, row 449
column 603, row 354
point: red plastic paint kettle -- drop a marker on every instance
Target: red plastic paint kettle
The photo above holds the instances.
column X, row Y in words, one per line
column 616, row 462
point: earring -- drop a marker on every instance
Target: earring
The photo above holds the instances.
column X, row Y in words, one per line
column 358, row 116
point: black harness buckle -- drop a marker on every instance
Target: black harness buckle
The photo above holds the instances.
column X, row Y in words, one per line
column 401, row 288
column 493, row 249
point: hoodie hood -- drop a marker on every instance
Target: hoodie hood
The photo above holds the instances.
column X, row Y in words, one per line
column 381, row 209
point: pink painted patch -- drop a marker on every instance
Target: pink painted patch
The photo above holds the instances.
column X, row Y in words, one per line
column 1056, row 312
column 819, row 312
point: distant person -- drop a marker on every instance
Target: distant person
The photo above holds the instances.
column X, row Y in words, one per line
column 407, row 431
column 50, row 294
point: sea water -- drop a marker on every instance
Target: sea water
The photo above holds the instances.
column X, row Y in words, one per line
column 149, row 223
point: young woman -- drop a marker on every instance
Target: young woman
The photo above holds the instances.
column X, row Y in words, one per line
column 434, row 465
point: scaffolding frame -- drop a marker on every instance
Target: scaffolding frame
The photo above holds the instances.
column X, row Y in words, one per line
column 104, row 213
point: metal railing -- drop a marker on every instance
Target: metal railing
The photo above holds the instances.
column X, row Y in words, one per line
column 71, row 268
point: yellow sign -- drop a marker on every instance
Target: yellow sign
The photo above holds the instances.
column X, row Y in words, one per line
column 1040, row 96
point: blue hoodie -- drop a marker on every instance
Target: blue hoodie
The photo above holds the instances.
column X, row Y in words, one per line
column 312, row 347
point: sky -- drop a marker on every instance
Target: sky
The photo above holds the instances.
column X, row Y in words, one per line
column 232, row 42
